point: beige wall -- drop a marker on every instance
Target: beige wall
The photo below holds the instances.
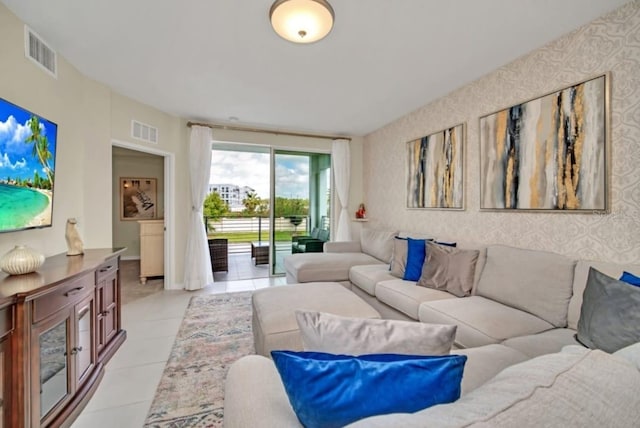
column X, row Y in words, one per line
column 64, row 102
column 91, row 118
column 610, row 43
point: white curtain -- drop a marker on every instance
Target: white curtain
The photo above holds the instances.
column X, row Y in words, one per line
column 197, row 263
column 341, row 168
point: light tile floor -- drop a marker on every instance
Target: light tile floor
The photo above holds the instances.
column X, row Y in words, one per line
column 131, row 377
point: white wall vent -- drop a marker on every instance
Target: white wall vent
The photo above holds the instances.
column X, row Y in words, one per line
column 144, row 132
column 38, row 51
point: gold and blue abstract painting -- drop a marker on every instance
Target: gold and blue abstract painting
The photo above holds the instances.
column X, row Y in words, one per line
column 549, row 153
column 435, row 173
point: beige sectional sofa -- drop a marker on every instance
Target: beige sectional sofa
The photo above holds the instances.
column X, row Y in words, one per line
column 524, row 306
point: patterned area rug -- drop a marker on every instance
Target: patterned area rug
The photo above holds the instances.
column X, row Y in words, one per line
column 215, row 332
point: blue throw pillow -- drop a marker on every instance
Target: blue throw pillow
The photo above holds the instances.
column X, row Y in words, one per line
column 416, row 253
column 630, row 278
column 327, row 390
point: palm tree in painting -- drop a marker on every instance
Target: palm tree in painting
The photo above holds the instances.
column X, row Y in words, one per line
column 40, row 148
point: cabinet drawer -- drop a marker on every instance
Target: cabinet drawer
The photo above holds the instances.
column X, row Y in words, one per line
column 66, row 294
column 106, row 269
column 6, row 321
column 151, row 227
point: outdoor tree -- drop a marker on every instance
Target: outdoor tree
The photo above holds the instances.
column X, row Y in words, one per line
column 251, row 203
column 263, row 207
column 214, row 207
column 286, row 207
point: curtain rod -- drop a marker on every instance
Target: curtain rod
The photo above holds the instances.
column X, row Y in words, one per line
column 268, row 131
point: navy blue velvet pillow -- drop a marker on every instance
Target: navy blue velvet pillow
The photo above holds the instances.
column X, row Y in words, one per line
column 630, row 278
column 327, row 390
column 416, row 253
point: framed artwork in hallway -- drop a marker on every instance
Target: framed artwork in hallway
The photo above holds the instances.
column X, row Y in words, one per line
column 549, row 153
column 435, row 170
column 138, row 198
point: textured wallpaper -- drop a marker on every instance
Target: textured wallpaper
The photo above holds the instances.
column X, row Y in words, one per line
column 608, row 44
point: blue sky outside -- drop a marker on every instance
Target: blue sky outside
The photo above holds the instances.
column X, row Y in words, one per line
column 252, row 169
column 16, row 160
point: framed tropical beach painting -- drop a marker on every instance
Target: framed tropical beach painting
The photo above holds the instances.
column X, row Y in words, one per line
column 548, row 154
column 27, row 168
column 138, row 198
column 435, row 170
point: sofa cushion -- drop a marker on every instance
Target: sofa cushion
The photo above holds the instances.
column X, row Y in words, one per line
column 366, row 277
column 377, row 243
column 399, row 257
column 580, row 282
column 324, row 332
column 311, row 267
column 547, row 342
column 537, row 282
column 573, row 388
column 610, row 313
column 630, row 353
column 484, row 362
column 406, row 297
column 327, row 390
column 449, row 269
column 481, row 321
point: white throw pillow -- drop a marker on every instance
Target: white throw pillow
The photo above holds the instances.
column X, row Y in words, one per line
column 377, row 243
column 324, row 332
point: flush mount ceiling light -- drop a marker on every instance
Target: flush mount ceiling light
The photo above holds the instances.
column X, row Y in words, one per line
column 301, row 21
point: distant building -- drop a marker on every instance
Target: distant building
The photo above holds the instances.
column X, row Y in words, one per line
column 232, row 194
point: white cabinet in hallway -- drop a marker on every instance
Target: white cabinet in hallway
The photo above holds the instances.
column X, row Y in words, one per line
column 151, row 249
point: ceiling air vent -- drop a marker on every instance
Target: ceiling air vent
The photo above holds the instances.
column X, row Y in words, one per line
column 39, row 52
column 144, row 132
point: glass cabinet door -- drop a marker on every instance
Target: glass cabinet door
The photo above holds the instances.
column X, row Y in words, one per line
column 2, row 381
column 54, row 366
column 83, row 349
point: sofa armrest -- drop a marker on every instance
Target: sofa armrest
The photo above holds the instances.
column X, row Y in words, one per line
column 255, row 397
column 342, row 247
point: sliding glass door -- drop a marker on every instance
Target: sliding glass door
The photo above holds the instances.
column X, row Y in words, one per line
column 301, row 201
column 261, row 201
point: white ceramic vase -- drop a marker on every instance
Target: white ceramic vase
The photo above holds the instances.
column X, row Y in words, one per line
column 21, row 260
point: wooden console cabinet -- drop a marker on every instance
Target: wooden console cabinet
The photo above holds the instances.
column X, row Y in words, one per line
column 65, row 324
column 6, row 329
column 151, row 249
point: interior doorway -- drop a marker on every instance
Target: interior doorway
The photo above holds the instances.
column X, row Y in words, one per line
column 130, row 161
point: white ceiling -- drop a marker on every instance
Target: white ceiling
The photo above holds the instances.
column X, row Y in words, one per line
column 212, row 60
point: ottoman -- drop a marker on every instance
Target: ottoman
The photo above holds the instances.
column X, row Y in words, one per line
column 274, row 321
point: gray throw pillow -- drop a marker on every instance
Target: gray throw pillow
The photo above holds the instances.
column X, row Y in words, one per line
column 399, row 258
column 323, row 332
column 449, row 268
column 610, row 313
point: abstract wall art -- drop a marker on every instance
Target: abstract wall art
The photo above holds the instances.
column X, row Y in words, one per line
column 435, row 170
column 548, row 154
column 138, row 198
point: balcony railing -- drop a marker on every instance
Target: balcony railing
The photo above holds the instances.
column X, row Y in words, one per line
column 241, row 231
